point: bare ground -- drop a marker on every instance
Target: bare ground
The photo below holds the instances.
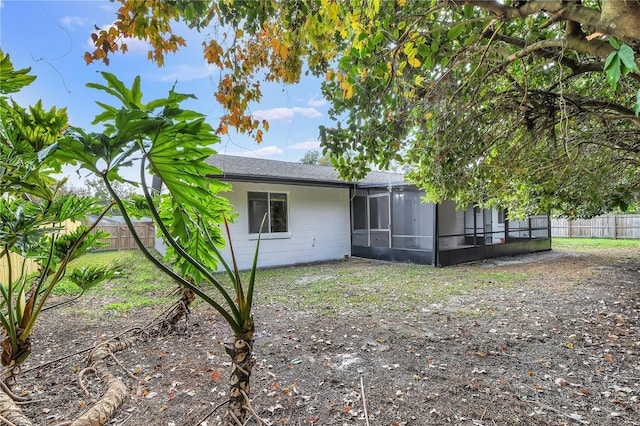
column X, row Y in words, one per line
column 560, row 348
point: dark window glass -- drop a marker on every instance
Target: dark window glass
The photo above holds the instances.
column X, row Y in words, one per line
column 278, row 212
column 359, row 212
column 275, row 204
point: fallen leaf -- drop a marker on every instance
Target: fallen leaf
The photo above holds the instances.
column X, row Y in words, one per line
column 608, row 357
column 215, row 375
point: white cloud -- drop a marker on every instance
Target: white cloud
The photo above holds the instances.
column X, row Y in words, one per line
column 187, row 72
column 306, row 146
column 308, row 112
column 315, row 102
column 266, row 152
column 285, row 114
column 134, row 46
column 72, row 21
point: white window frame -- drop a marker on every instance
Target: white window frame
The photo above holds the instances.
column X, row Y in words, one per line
column 267, row 234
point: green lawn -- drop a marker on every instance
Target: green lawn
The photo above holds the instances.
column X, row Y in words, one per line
column 327, row 288
column 592, row 244
column 139, row 284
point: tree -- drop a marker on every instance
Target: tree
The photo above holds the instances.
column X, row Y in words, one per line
column 314, row 157
column 93, row 187
column 33, row 214
column 529, row 104
column 173, row 144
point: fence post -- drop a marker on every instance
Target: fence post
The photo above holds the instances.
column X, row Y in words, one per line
column 615, row 227
column 569, row 227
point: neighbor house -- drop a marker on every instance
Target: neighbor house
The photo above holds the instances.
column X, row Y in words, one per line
column 313, row 215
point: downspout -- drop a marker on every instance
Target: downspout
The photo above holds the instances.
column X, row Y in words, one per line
column 506, row 227
column 436, row 237
column 549, row 229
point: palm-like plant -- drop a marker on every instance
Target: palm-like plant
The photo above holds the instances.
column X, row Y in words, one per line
column 172, row 144
column 32, row 214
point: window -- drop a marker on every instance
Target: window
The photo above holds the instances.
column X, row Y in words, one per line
column 379, row 211
column 274, row 205
column 359, row 212
column 501, row 215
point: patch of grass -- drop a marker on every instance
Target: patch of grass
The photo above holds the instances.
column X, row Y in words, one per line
column 593, row 244
column 66, row 288
column 134, row 303
column 361, row 284
column 140, row 284
column 329, row 288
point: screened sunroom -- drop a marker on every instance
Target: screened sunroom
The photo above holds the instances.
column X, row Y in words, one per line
column 392, row 223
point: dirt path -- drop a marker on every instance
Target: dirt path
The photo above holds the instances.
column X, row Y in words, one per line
column 561, row 347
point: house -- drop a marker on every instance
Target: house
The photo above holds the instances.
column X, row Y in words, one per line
column 313, row 215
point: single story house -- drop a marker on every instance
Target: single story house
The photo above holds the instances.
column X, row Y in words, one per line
column 313, row 215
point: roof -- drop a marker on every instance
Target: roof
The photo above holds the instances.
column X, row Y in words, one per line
column 245, row 169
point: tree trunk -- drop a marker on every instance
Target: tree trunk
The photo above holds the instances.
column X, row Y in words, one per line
column 183, row 306
column 242, row 362
column 102, row 411
column 14, row 360
column 11, row 412
column 12, row 372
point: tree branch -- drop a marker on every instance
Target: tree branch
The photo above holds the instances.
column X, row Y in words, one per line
column 618, row 18
column 575, row 66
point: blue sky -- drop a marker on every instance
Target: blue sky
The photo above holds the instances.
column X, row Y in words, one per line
column 52, row 36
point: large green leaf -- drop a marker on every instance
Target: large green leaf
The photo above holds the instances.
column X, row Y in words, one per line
column 11, row 81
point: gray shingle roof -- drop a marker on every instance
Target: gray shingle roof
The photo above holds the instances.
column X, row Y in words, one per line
column 272, row 171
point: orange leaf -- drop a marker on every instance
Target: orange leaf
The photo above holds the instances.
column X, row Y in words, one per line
column 608, row 357
column 215, row 375
column 87, row 57
column 346, row 409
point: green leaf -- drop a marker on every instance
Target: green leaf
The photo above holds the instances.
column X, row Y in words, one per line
column 455, row 32
column 626, row 56
column 12, row 81
column 612, row 69
column 614, row 43
column 637, row 109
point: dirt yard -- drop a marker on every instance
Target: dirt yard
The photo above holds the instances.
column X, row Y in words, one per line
column 561, row 347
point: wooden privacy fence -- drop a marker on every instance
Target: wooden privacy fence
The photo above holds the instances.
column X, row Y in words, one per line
column 609, row 226
column 121, row 238
column 16, row 261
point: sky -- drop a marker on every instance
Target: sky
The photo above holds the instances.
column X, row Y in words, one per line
column 51, row 38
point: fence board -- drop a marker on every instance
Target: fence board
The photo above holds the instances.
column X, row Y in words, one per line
column 30, row 265
column 121, row 238
column 607, row 226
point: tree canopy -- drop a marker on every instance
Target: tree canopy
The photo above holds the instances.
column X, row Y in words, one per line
column 531, row 105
